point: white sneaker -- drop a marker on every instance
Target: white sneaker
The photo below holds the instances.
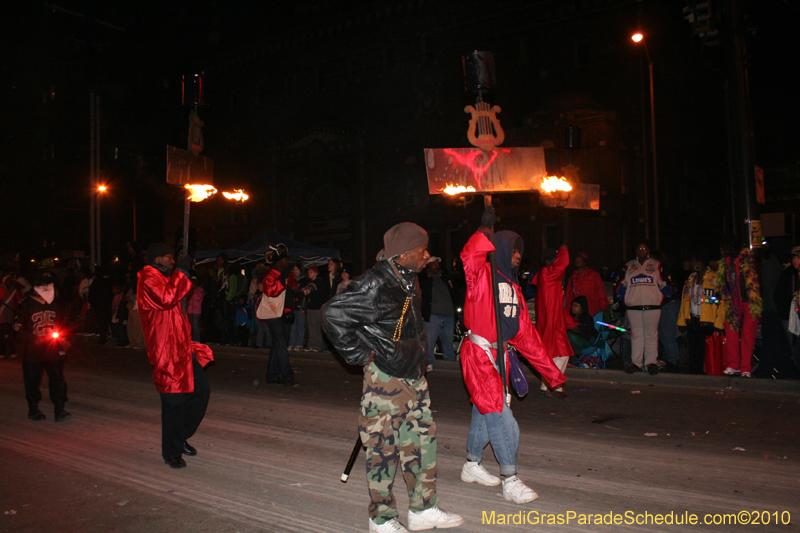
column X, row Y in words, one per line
column 730, row 372
column 747, row 375
column 433, row 518
column 514, row 490
column 430, row 368
column 474, row 472
column 392, row 526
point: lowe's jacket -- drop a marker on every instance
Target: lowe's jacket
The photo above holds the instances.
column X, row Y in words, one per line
column 643, row 284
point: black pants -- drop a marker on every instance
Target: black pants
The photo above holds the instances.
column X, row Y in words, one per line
column 243, row 335
column 32, row 376
column 7, row 338
column 696, row 337
column 279, row 351
column 182, row 412
column 120, row 331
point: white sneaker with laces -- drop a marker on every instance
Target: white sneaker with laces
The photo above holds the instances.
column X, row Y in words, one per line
column 474, row 472
column 730, row 371
column 514, row 490
column 433, row 518
column 392, row 526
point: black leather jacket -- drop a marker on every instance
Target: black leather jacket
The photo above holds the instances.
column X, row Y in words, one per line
column 363, row 318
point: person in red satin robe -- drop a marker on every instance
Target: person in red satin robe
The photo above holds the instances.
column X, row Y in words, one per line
column 178, row 362
column 492, row 419
column 550, row 311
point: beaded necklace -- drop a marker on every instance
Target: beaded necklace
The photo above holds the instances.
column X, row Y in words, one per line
column 407, row 287
column 577, row 291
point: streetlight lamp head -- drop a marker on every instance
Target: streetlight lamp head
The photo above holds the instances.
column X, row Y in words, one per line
column 637, row 37
column 102, row 188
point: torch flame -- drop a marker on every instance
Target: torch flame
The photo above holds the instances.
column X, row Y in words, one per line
column 198, row 193
column 552, row 184
column 452, row 190
column 238, row 195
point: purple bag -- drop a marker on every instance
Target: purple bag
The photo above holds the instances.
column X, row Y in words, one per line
column 516, row 374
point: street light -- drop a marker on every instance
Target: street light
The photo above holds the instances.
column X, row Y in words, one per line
column 639, row 38
column 100, row 190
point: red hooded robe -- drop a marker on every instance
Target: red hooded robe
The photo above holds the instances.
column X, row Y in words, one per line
column 167, row 331
column 480, row 376
column 550, row 305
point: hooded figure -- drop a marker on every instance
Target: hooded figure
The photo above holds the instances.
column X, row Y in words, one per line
column 492, row 419
column 550, row 310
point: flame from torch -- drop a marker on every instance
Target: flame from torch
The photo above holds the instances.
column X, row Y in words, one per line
column 238, row 195
column 551, row 184
column 198, row 193
column 452, row 190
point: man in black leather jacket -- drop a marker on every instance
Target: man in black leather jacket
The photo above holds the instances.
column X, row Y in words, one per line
column 377, row 323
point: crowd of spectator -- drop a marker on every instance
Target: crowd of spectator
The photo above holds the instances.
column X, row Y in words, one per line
column 734, row 314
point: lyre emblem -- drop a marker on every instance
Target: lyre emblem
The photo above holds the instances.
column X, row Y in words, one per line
column 489, row 132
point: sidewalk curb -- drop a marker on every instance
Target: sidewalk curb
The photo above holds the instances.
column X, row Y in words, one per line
column 789, row 387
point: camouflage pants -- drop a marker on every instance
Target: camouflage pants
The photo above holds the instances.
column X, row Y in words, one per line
column 396, row 425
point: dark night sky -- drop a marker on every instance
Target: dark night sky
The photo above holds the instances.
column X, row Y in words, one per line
column 136, row 62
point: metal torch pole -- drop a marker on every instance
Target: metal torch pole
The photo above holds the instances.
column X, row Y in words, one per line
column 501, row 356
column 186, row 205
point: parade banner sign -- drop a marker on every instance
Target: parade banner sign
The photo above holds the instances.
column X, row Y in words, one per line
column 520, row 169
column 184, row 167
column 498, row 170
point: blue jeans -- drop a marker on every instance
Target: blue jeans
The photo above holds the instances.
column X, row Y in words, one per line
column 298, row 335
column 441, row 327
column 668, row 330
column 502, row 430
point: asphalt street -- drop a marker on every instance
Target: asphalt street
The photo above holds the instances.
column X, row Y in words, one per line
column 631, row 448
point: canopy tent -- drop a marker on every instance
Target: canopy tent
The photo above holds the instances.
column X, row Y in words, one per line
column 254, row 250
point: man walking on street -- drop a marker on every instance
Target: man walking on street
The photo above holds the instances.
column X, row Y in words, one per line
column 377, row 323
column 177, row 361
column 492, row 419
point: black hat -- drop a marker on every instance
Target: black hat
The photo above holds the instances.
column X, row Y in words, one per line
column 548, row 254
column 401, row 238
column 40, row 279
column 276, row 253
column 156, row 250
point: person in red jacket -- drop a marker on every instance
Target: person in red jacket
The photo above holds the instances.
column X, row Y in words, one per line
column 276, row 302
column 586, row 282
column 550, row 311
column 178, row 362
column 492, row 419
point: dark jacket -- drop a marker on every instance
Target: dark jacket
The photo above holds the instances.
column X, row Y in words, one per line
column 363, row 319
column 39, row 320
column 318, row 295
column 784, row 291
column 426, row 288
